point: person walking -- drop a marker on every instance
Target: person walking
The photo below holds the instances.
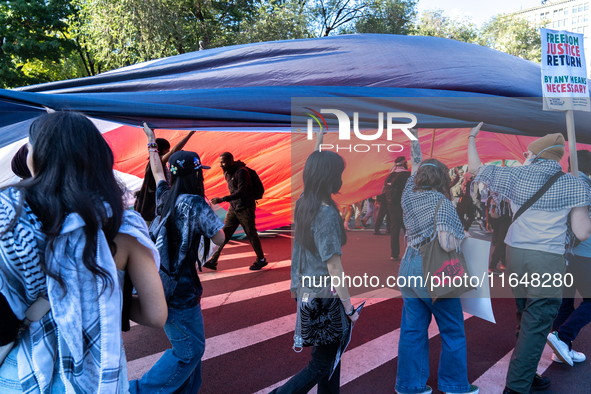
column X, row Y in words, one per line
column 66, row 244
column 535, row 243
column 393, row 187
column 145, row 202
column 420, row 198
column 571, row 320
column 185, row 219
column 319, row 235
column 241, row 212
column 500, row 218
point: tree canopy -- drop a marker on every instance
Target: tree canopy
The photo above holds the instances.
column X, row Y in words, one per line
column 49, row 40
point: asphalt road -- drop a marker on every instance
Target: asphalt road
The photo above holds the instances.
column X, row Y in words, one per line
column 249, row 321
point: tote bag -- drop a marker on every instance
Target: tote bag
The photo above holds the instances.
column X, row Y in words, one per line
column 446, row 273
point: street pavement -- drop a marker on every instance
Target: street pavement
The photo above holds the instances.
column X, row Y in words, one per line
column 250, row 317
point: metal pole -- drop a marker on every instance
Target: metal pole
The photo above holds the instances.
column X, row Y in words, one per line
column 572, row 142
column 432, row 144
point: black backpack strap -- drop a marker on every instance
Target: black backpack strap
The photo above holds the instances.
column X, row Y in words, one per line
column 538, row 194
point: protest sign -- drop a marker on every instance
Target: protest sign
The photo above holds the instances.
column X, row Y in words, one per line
column 564, row 71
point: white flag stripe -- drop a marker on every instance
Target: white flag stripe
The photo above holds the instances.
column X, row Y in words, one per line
column 367, row 357
column 235, row 340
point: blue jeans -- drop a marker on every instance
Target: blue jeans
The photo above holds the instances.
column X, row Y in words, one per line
column 316, row 372
column 10, row 382
column 570, row 321
column 413, row 346
column 179, row 368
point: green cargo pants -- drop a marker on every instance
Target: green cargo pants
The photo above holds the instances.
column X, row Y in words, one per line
column 537, row 306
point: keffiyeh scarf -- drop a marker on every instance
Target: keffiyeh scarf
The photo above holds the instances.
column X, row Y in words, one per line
column 419, row 210
column 82, row 332
column 519, row 184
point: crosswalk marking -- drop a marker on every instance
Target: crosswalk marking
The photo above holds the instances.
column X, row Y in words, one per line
column 246, row 294
column 367, row 357
column 236, row 256
column 240, row 295
column 235, row 340
column 211, row 275
column 493, row 380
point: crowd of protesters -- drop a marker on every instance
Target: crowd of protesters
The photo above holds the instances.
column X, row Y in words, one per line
column 71, row 255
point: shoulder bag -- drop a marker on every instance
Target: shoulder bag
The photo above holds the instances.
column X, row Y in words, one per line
column 440, row 268
column 321, row 318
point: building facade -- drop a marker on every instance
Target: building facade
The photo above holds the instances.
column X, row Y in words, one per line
column 569, row 15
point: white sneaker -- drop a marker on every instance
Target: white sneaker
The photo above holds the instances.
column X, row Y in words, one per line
column 473, row 390
column 577, row 357
column 560, row 348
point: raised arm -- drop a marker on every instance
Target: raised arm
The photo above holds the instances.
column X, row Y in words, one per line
column 155, row 162
column 177, row 147
column 474, row 162
column 416, row 157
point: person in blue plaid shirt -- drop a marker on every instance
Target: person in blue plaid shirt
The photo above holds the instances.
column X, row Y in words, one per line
column 535, row 243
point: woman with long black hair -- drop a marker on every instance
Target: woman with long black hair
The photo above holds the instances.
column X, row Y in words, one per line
column 319, row 235
column 65, row 237
column 185, row 218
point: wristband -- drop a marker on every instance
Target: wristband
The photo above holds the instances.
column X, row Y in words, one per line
column 152, row 145
column 473, row 136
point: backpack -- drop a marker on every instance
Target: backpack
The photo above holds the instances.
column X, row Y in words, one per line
column 257, row 186
column 393, row 186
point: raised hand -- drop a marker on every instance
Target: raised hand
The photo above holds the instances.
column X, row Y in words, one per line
column 149, row 132
column 475, row 130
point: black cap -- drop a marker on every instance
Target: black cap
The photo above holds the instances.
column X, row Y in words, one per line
column 185, row 162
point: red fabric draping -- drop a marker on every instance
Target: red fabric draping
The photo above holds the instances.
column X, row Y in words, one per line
column 279, row 160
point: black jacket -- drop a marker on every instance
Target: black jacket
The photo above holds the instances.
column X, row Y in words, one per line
column 240, row 186
column 394, row 186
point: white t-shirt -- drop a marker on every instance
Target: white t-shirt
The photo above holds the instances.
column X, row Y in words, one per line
column 539, row 230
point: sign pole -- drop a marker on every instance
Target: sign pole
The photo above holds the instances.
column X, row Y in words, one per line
column 432, row 144
column 572, row 142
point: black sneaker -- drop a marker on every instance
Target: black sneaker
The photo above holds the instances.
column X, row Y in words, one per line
column 257, row 265
column 540, row 382
column 509, row 391
column 211, row 265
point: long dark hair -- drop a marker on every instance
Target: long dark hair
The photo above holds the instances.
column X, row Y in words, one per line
column 433, row 177
column 183, row 184
column 322, row 178
column 73, row 173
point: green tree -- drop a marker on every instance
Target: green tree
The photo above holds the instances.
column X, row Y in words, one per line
column 33, row 38
column 513, row 35
column 388, row 17
column 434, row 23
column 276, row 20
column 336, row 16
column 123, row 32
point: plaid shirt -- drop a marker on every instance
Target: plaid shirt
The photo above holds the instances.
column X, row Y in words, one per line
column 81, row 335
column 519, row 184
column 419, row 211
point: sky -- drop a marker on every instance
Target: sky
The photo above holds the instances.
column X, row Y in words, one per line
column 478, row 10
